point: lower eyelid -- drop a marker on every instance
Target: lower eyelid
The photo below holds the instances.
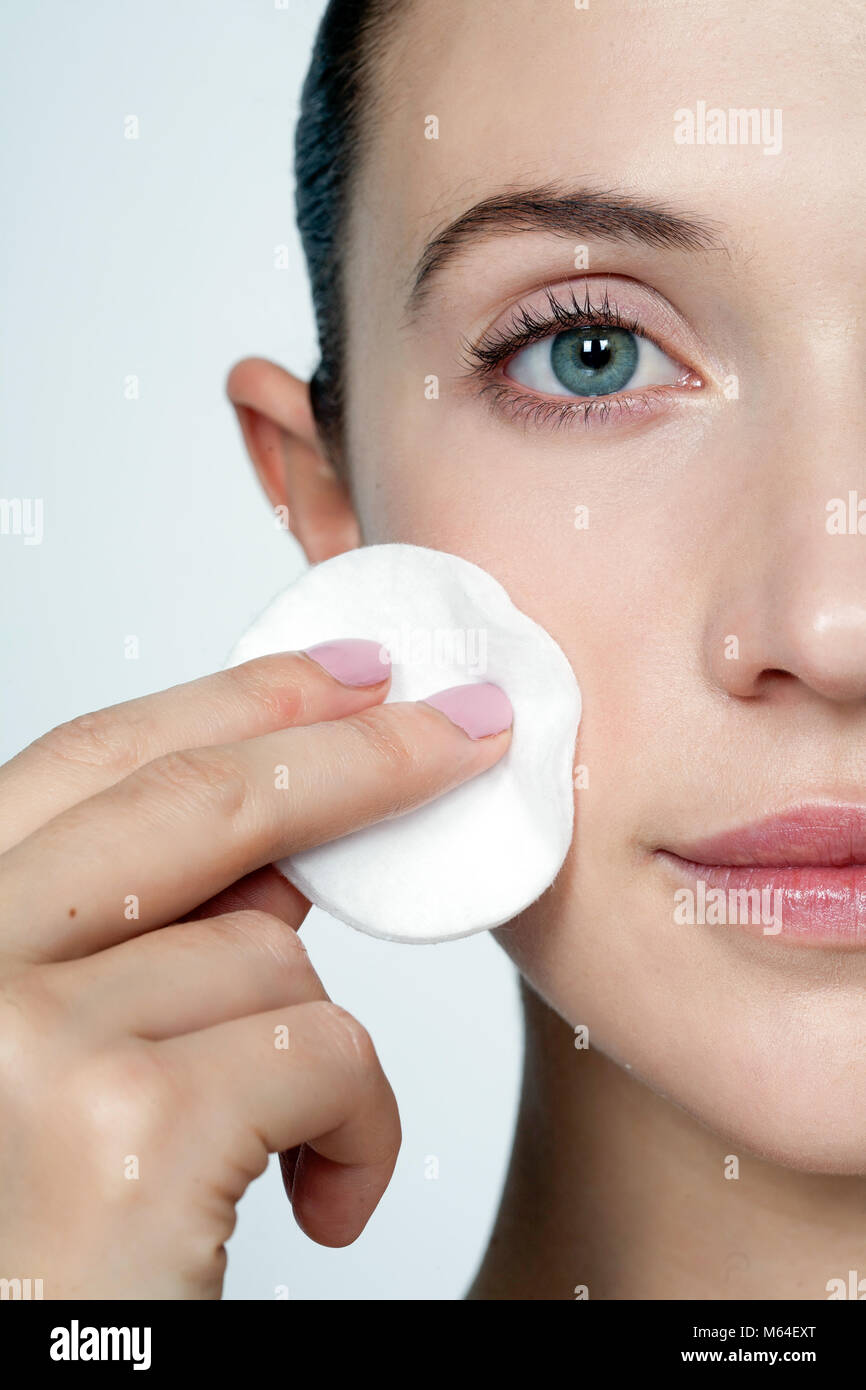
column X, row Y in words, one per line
column 587, row 411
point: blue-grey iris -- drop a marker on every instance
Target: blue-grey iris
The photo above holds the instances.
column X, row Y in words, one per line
column 594, row 362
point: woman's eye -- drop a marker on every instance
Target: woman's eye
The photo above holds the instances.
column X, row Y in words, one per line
column 593, row 362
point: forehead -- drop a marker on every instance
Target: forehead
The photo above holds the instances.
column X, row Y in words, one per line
column 534, row 91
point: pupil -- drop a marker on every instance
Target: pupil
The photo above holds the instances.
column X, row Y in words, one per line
column 595, row 353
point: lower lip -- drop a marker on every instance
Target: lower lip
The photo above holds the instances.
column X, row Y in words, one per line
column 811, row 905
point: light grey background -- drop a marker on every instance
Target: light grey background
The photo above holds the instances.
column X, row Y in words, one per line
column 154, row 258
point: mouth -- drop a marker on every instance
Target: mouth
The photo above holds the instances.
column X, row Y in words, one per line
column 798, row 877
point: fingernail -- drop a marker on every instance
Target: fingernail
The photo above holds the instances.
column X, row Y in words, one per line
column 352, row 660
column 479, row 710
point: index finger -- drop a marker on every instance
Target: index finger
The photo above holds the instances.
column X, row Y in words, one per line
column 186, row 825
column 84, row 756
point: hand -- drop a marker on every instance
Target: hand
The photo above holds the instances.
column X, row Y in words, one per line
column 161, row 1027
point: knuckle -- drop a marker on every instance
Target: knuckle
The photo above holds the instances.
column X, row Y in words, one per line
column 391, row 742
column 100, row 739
column 389, row 1131
column 199, row 776
column 31, row 1015
column 130, row 1096
column 204, row 1268
column 265, row 934
column 396, row 1127
column 349, row 1037
column 272, row 685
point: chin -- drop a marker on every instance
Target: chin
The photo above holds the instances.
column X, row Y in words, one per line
column 771, row 1062
column 804, row 1111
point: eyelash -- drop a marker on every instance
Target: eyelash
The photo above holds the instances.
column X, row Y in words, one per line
column 482, row 359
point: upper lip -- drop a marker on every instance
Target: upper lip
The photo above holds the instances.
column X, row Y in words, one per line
column 821, row 834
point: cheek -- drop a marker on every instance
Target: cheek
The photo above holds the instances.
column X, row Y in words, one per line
column 585, row 587
column 512, row 510
column 627, row 599
column 590, row 945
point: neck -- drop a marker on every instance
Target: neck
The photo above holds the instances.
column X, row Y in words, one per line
column 613, row 1188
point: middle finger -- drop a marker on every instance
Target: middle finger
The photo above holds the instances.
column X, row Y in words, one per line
column 179, row 830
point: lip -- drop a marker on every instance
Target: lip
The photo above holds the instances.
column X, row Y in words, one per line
column 804, row 872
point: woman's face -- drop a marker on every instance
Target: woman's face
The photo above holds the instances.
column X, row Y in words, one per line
column 716, row 625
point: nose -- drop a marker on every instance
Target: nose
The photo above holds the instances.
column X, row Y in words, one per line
column 821, row 644
column 796, row 611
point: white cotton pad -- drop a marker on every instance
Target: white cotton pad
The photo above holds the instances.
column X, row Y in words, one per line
column 478, row 855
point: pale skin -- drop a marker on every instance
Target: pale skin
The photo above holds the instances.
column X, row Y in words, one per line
column 705, row 521
column 152, row 1059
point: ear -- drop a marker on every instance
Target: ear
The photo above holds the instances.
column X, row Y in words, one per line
column 276, row 419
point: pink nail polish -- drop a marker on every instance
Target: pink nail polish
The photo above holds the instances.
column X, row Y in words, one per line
column 352, row 660
column 479, row 710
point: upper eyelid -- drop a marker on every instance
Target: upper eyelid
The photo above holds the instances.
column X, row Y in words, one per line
column 498, row 345
column 596, row 303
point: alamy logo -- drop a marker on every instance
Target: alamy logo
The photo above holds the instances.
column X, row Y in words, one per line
column 855, row 1287
column 714, row 907
column 24, row 1289
column 22, row 516
column 465, row 647
column 712, row 125
column 76, row 1343
column 846, row 519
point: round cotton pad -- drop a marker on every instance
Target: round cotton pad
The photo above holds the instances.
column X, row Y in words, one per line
column 481, row 853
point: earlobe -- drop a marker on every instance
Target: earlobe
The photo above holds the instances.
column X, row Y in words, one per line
column 276, row 419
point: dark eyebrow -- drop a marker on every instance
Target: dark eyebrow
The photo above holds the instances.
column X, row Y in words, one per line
column 582, row 213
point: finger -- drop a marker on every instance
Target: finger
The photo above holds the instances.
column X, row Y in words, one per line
column 184, row 827
column 305, row 1075
column 288, row 1164
column 325, row 1197
column 189, row 976
column 82, row 757
column 266, row 890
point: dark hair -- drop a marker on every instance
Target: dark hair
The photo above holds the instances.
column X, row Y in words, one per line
column 332, row 133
